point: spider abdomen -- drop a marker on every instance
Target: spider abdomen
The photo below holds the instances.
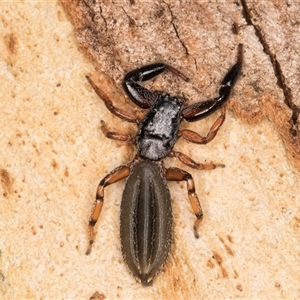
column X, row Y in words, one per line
column 146, row 221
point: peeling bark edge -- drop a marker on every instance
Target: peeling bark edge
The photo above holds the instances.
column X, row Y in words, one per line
column 288, row 98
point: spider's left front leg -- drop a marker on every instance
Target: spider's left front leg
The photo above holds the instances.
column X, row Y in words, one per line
column 139, row 94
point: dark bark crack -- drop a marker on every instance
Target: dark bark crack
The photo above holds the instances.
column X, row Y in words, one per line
column 288, row 97
column 102, row 17
column 89, row 9
column 93, row 12
column 131, row 21
column 176, row 31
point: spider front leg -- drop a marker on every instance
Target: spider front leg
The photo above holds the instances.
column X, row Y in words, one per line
column 137, row 93
column 201, row 110
column 116, row 175
column 175, row 174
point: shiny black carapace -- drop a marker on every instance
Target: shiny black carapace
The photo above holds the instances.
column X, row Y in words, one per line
column 146, row 213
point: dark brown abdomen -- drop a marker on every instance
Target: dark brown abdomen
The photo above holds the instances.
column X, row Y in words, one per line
column 146, row 221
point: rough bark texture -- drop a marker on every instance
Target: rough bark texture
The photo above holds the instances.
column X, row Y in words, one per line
column 197, row 36
column 53, row 153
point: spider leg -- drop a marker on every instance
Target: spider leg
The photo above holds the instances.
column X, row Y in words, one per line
column 114, row 176
column 139, row 94
column 192, row 164
column 194, row 137
column 116, row 135
column 176, row 174
column 121, row 113
column 201, row 110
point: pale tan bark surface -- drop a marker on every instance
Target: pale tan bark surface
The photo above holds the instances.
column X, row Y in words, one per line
column 53, row 153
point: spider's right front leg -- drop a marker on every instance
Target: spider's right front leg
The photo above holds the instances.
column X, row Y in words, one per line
column 114, row 176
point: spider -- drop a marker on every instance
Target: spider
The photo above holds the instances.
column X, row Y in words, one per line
column 146, row 214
